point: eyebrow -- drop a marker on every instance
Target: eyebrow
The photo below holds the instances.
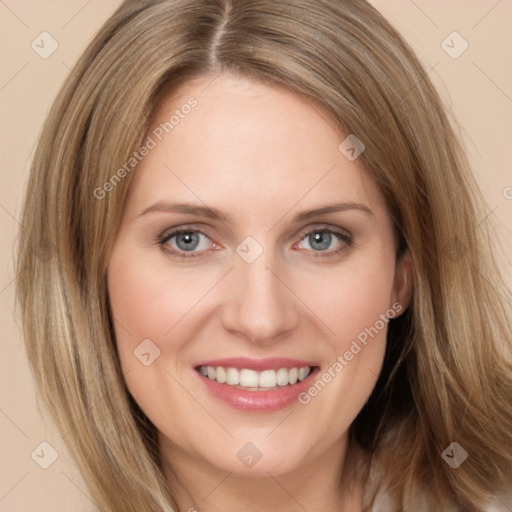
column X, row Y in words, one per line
column 215, row 214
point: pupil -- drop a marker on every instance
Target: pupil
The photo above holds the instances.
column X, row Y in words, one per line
column 320, row 240
column 189, row 241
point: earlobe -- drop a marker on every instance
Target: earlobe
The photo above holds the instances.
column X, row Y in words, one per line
column 403, row 285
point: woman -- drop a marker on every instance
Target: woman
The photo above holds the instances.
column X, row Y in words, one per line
column 268, row 289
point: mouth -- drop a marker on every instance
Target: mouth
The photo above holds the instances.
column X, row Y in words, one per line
column 256, row 385
column 251, row 380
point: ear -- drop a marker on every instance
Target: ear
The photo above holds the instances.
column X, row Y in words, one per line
column 403, row 284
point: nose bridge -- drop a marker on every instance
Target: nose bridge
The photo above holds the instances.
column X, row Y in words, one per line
column 261, row 307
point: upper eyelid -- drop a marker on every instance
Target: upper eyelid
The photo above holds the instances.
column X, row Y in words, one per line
column 169, row 233
column 324, row 227
column 172, row 232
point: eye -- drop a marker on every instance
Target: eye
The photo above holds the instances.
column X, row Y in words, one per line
column 182, row 241
column 189, row 243
column 325, row 240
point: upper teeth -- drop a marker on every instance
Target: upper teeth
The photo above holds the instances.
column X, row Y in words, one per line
column 254, row 379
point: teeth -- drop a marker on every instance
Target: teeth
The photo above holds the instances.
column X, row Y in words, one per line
column 267, row 379
column 303, row 373
column 220, row 375
column 233, row 376
column 249, row 378
column 254, row 380
column 282, row 377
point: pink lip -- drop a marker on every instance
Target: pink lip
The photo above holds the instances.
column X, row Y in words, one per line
column 259, row 365
column 257, row 401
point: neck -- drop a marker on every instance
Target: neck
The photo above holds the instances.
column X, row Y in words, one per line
column 321, row 484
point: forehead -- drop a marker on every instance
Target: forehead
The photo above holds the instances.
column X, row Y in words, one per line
column 246, row 146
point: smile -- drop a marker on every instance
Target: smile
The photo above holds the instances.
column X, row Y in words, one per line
column 252, row 380
column 256, row 385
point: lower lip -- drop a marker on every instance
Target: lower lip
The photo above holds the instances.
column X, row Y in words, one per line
column 262, row 401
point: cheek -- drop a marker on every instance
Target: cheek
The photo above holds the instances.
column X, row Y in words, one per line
column 355, row 305
column 150, row 300
column 152, row 309
column 133, row 300
column 352, row 298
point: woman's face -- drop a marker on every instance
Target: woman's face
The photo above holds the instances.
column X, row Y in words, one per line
column 253, row 336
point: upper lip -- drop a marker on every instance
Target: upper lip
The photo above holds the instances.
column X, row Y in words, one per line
column 270, row 363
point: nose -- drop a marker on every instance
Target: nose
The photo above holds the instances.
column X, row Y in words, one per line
column 261, row 308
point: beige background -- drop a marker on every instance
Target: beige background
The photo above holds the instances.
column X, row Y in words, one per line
column 477, row 86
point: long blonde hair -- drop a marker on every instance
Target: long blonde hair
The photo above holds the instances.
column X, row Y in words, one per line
column 446, row 376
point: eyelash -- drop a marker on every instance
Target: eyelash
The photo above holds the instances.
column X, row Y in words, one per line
column 345, row 238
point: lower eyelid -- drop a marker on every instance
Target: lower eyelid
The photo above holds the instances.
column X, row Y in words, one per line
column 345, row 239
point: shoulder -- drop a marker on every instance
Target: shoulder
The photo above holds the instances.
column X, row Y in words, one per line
column 376, row 499
column 421, row 502
column 502, row 502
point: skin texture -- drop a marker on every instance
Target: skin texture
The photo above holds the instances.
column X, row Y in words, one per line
column 261, row 155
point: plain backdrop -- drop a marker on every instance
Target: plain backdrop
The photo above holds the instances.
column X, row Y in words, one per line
column 477, row 87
